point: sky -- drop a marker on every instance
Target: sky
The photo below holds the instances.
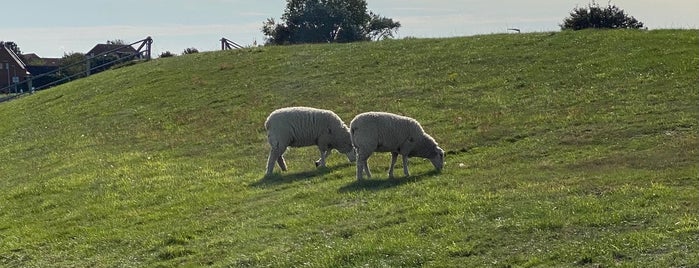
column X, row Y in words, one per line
column 53, row 28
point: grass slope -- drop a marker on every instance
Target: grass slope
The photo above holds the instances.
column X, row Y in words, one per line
column 564, row 149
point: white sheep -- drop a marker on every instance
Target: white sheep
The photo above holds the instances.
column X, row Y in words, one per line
column 305, row 126
column 386, row 132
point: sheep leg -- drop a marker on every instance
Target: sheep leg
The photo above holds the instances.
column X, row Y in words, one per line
column 281, row 162
column 405, row 165
column 394, row 157
column 323, row 154
column 360, row 169
column 270, row 165
column 276, row 155
column 362, row 165
column 366, row 169
column 273, row 156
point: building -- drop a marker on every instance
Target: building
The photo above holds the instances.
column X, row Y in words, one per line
column 43, row 70
column 13, row 71
column 112, row 49
column 104, row 56
column 29, row 72
column 32, row 59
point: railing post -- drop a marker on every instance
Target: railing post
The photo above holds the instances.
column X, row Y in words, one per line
column 148, row 47
column 228, row 44
column 88, row 58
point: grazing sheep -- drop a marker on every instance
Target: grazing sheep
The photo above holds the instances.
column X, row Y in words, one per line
column 304, row 126
column 386, row 132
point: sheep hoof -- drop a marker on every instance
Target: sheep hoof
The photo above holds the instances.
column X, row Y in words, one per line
column 317, row 163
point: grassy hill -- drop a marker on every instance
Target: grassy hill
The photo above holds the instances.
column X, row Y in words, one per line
column 573, row 149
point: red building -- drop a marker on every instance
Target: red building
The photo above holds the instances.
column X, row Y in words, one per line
column 13, row 71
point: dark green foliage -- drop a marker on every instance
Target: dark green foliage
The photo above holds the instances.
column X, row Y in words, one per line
column 327, row 21
column 382, row 27
column 166, row 54
column 594, row 16
column 106, row 62
column 117, row 42
column 71, row 66
column 12, row 46
column 190, row 50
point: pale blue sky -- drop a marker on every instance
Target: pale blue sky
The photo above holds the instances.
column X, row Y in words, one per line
column 52, row 28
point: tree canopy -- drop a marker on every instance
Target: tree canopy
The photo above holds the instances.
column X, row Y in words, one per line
column 594, row 16
column 327, row 21
column 116, row 42
column 12, row 46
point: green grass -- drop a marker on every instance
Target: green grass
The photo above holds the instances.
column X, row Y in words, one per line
column 567, row 149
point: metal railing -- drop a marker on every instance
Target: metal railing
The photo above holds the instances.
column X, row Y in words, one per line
column 62, row 74
column 227, row 44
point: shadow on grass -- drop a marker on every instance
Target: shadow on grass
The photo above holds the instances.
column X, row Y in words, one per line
column 286, row 177
column 382, row 184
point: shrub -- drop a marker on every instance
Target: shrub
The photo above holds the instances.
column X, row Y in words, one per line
column 594, row 16
column 190, row 50
column 166, row 54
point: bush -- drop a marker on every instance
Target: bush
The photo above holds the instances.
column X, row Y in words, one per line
column 594, row 16
column 190, row 50
column 166, row 54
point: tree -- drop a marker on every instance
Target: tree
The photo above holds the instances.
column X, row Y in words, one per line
column 381, row 27
column 12, row 46
column 327, row 21
column 73, row 66
column 116, row 42
column 594, row 16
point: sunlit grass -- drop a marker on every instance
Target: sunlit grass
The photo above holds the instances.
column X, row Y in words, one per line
column 563, row 149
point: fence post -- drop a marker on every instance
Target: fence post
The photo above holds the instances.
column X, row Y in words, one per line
column 149, row 43
column 88, row 58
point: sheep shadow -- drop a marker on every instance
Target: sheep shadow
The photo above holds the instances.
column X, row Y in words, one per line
column 282, row 178
column 383, row 184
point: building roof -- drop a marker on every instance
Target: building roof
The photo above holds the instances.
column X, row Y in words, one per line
column 8, row 54
column 32, row 59
column 111, row 48
column 52, row 61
